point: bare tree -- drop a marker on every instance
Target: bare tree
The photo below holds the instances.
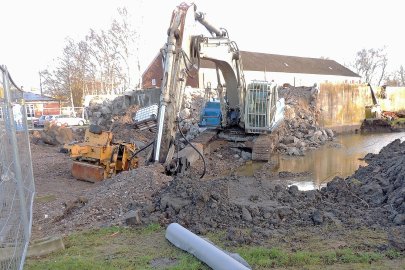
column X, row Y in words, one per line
column 371, row 64
column 396, row 78
column 401, row 75
column 99, row 64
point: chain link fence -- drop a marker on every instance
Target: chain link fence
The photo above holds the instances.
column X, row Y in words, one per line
column 16, row 177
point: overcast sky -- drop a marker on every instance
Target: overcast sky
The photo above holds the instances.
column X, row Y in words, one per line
column 33, row 32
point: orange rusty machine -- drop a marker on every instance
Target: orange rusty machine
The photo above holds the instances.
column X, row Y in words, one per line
column 98, row 157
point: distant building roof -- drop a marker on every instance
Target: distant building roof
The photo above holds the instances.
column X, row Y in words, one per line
column 29, row 96
column 254, row 61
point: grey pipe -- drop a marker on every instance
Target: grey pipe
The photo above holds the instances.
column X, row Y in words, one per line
column 200, row 248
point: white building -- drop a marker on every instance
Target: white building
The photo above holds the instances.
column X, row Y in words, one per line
column 293, row 70
column 282, row 69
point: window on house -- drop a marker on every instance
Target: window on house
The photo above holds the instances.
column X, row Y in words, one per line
column 153, row 82
column 30, row 110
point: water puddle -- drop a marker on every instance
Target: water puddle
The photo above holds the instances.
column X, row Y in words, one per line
column 342, row 158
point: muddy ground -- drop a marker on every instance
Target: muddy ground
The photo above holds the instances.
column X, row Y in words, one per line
column 251, row 209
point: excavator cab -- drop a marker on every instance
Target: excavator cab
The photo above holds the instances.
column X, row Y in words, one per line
column 264, row 110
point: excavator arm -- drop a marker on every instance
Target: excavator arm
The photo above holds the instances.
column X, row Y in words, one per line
column 182, row 53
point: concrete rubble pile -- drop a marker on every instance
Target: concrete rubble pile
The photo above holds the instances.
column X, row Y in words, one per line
column 301, row 130
column 193, row 103
column 120, row 111
column 54, row 135
column 102, row 113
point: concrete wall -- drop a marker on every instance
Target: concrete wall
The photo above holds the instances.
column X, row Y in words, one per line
column 144, row 98
column 342, row 106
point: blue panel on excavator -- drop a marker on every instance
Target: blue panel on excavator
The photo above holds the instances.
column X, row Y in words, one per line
column 211, row 115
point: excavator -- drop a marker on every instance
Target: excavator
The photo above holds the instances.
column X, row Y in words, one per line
column 253, row 107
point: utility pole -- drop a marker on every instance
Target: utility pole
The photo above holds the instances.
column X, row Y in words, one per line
column 40, row 81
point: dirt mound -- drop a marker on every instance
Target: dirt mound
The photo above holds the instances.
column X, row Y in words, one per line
column 372, row 197
column 112, row 199
column 383, row 180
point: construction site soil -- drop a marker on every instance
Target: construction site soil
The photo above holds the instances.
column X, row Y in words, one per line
column 250, row 209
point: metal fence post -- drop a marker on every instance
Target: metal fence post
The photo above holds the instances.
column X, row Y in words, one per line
column 16, row 178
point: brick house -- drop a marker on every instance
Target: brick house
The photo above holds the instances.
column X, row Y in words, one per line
column 38, row 105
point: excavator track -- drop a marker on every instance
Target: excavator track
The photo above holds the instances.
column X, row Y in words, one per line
column 263, row 147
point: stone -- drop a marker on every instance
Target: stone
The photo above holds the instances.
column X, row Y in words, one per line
column 174, row 202
column 246, row 214
column 289, row 139
column 293, row 189
column 282, row 146
column 185, row 113
column 105, row 110
column 329, row 132
column 399, row 219
column 293, row 151
column 246, row 155
column 317, row 217
column 317, row 134
column 132, row 218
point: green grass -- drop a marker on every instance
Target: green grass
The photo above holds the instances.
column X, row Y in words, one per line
column 125, row 248
column 264, row 258
column 45, row 198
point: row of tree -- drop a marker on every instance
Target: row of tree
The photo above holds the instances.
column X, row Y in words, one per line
column 371, row 65
column 103, row 63
column 98, row 64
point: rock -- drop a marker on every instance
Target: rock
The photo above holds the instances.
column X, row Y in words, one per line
column 399, row 219
column 329, row 132
column 374, row 192
column 132, row 218
column 236, row 156
column 317, row 217
column 246, row 155
column 246, row 214
column 317, row 134
column 323, row 138
column 289, row 139
column 105, row 110
column 293, row 151
column 185, row 113
column 282, row 146
column 174, row 202
column 293, row 189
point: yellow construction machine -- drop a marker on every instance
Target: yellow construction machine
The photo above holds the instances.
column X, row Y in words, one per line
column 99, row 157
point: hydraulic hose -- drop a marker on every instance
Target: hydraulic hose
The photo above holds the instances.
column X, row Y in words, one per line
column 140, row 150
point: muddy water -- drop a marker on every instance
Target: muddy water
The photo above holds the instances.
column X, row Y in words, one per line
column 342, row 157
